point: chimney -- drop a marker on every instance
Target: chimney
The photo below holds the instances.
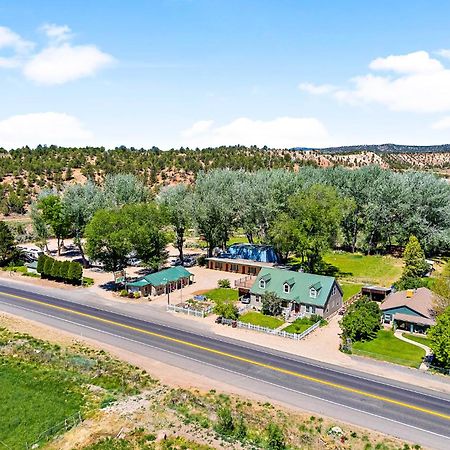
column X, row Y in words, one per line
column 409, row 293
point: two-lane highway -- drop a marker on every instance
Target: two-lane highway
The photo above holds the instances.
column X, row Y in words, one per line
column 424, row 411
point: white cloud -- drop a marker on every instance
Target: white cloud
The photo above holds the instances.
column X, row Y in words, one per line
column 58, row 62
column 442, row 124
column 317, row 89
column 57, row 32
column 42, row 128
column 416, row 62
column 282, row 132
column 65, row 62
column 417, row 83
column 445, row 53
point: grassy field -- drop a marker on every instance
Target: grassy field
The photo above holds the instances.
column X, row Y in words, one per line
column 299, row 325
column 420, row 339
column 350, row 289
column 222, row 294
column 262, row 320
column 388, row 348
column 364, row 269
column 43, row 384
column 32, row 399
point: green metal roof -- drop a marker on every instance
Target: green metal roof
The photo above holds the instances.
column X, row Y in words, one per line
column 300, row 284
column 162, row 277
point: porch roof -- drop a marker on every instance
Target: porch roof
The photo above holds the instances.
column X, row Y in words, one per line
column 414, row 319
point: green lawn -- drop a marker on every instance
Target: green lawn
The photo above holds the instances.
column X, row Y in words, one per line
column 299, row 325
column 350, row 289
column 223, row 294
column 420, row 339
column 32, row 399
column 257, row 318
column 237, row 239
column 364, row 269
column 388, row 348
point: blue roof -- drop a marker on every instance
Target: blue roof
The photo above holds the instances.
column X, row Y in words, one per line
column 252, row 252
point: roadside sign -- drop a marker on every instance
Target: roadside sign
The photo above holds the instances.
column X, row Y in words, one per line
column 119, row 277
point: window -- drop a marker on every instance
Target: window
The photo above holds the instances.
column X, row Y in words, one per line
column 313, row 309
column 257, row 298
column 262, row 284
column 307, row 308
column 334, row 290
column 286, row 288
column 252, row 270
column 312, row 293
column 234, row 267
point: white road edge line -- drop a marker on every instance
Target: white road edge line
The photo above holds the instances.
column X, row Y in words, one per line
column 239, row 374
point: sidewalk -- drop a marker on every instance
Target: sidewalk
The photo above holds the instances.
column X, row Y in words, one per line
column 321, row 345
column 399, row 335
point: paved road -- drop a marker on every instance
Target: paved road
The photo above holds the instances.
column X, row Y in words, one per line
column 414, row 414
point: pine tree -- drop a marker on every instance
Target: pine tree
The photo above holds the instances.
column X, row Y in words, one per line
column 414, row 257
column 48, row 264
column 75, row 273
column 55, row 269
column 64, row 271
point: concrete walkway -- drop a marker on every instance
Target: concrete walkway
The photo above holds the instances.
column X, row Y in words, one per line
column 399, row 335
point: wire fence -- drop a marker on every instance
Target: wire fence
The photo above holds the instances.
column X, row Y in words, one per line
column 276, row 332
column 64, row 425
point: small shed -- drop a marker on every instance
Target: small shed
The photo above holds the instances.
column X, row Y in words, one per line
column 158, row 283
column 376, row 293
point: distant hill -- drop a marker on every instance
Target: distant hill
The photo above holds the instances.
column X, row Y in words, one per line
column 383, row 148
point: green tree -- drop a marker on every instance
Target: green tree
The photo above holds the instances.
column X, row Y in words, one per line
column 275, row 437
column 41, row 263
column 225, row 309
column 271, row 304
column 311, row 224
column 177, row 202
column 145, row 224
column 414, row 258
column 47, row 270
column 55, row 215
column 108, row 240
column 80, row 202
column 7, row 244
column 441, row 287
column 40, row 228
column 362, row 320
column 55, row 272
column 75, row 272
column 124, row 189
column 439, row 335
column 64, row 270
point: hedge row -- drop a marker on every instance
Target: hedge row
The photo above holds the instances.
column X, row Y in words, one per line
column 67, row 271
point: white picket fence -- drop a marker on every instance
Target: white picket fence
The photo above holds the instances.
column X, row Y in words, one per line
column 250, row 326
column 189, row 311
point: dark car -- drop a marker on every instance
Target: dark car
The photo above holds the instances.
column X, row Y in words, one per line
column 219, row 319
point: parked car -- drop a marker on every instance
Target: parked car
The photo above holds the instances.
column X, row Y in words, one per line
column 188, row 261
column 245, row 300
column 219, row 319
column 134, row 262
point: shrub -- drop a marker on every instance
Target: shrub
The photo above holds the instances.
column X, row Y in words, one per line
column 41, row 263
column 47, row 267
column 64, row 270
column 75, row 274
column 224, row 283
column 225, row 423
column 136, row 294
column 201, row 260
column 123, row 293
column 226, row 309
column 55, row 272
column 275, row 437
column 87, row 281
column 271, row 304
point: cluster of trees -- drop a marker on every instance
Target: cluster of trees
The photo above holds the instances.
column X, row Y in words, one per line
column 305, row 212
column 8, row 250
column 362, row 320
column 66, row 271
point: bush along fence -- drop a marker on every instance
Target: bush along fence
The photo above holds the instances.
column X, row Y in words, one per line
column 250, row 326
column 66, row 271
column 190, row 311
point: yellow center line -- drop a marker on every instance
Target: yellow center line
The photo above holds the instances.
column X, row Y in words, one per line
column 236, row 358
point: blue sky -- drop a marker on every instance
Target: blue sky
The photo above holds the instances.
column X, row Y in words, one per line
column 207, row 72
